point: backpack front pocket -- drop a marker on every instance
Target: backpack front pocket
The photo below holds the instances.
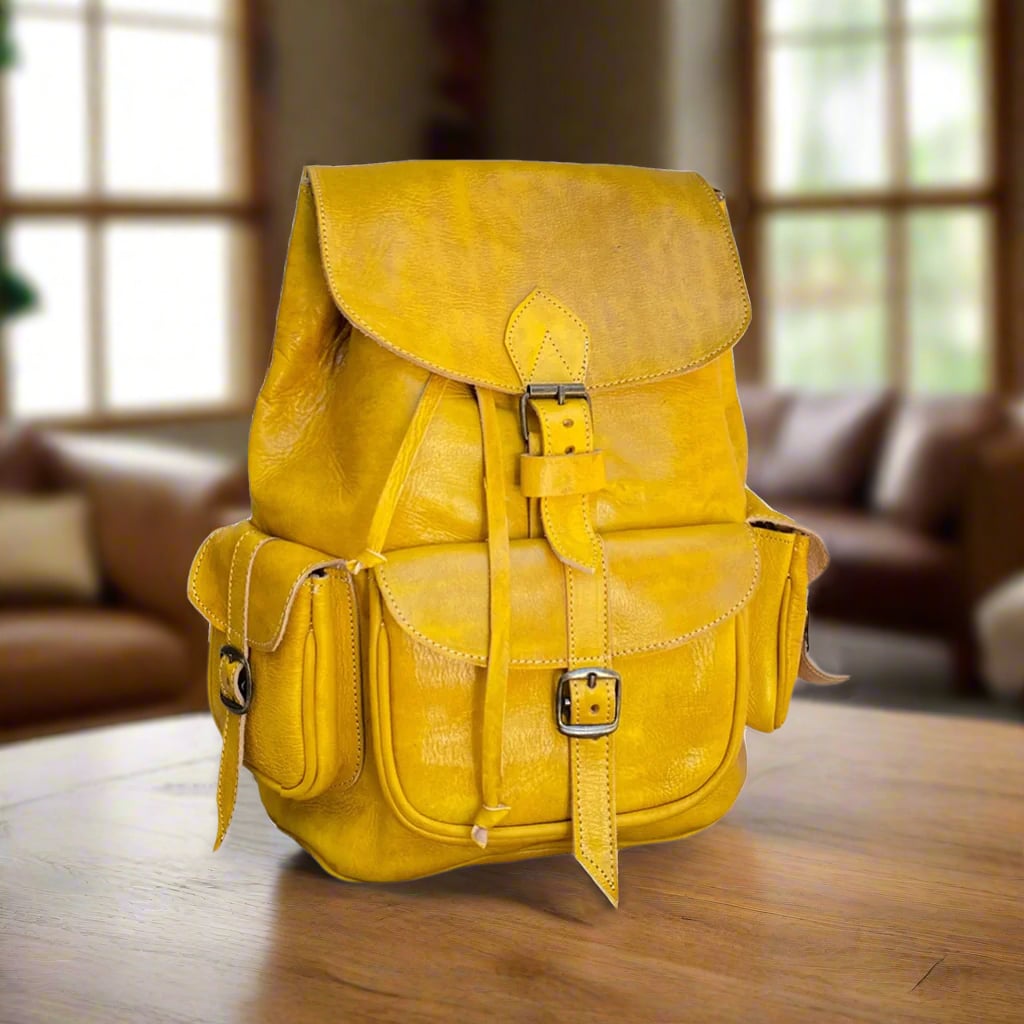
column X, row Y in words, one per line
column 777, row 618
column 677, row 643
column 297, row 610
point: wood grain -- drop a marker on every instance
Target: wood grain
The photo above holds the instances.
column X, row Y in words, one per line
column 871, row 871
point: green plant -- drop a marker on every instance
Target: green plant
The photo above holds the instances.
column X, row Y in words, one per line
column 16, row 294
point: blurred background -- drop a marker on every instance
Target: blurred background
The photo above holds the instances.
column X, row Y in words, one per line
column 872, row 154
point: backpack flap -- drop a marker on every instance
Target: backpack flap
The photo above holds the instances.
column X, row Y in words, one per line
column 430, row 258
column 290, row 612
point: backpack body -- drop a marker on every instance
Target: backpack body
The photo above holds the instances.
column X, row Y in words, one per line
column 503, row 592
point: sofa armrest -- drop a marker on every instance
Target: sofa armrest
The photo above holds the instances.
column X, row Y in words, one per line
column 152, row 506
column 993, row 524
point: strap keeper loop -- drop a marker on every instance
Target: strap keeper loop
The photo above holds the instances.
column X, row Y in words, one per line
column 549, row 476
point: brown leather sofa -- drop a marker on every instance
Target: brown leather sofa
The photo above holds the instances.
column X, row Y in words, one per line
column 920, row 500
column 139, row 650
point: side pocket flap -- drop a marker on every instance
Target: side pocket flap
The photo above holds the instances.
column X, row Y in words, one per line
column 276, row 573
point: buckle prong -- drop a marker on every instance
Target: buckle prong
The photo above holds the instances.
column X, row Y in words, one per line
column 560, row 392
column 563, row 702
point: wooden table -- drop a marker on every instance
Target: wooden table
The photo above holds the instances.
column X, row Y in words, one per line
column 871, row 871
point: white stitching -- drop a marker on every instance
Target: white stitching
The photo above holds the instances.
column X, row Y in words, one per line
column 481, row 659
column 356, row 680
column 274, row 639
column 376, row 335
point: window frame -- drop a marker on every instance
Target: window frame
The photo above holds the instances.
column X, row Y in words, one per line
column 893, row 201
column 249, row 211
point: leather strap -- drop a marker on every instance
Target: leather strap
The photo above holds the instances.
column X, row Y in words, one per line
column 493, row 807
column 232, row 664
column 232, row 753
column 565, row 429
column 548, row 344
column 811, row 672
column 387, row 503
column 592, row 767
column 549, row 476
column 592, row 759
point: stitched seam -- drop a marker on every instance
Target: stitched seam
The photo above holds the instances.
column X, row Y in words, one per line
column 357, row 710
column 272, row 641
column 584, row 845
column 248, row 583
column 744, row 319
column 481, row 658
column 231, row 585
column 570, row 605
column 552, row 528
column 310, row 629
column 536, row 358
column 774, row 536
column 224, row 819
column 579, row 323
column 548, row 339
column 201, row 555
column 707, row 626
column 403, row 620
column 511, row 348
column 604, row 585
column 794, row 526
column 539, row 294
column 606, row 763
column 555, row 537
column 376, row 335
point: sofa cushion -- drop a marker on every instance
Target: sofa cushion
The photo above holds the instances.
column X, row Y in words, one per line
column 926, row 459
column 882, row 572
column 825, row 448
column 49, row 552
column 59, row 662
column 22, row 460
column 764, row 409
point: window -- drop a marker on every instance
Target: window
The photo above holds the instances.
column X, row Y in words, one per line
column 875, row 207
column 128, row 207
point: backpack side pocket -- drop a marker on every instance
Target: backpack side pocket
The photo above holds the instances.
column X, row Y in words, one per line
column 304, row 730
column 777, row 618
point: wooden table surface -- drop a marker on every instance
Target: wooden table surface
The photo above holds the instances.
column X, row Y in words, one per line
column 871, row 871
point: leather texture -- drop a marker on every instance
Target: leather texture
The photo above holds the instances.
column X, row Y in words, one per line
column 491, row 232
column 497, row 469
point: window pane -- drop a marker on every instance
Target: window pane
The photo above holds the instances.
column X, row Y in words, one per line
column 946, row 97
column 164, row 102
column 827, row 309
column 949, row 271
column 826, row 127
column 206, row 9
column 48, row 347
column 168, row 313
column 46, row 107
column 66, row 5
column 790, row 15
column 944, row 10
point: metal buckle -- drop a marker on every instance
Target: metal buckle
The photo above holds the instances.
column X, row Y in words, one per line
column 244, row 681
column 563, row 702
column 557, row 391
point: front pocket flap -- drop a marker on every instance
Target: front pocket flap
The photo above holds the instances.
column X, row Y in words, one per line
column 276, row 571
column 664, row 587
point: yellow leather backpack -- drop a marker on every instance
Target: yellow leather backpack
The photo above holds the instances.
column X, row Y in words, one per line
column 503, row 592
